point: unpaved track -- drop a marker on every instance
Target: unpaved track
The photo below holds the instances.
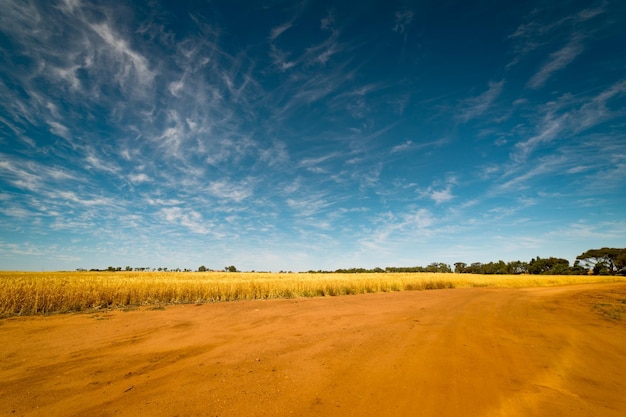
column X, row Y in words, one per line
column 461, row 352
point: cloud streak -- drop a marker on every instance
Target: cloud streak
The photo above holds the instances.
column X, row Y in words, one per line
column 476, row 106
column 556, row 62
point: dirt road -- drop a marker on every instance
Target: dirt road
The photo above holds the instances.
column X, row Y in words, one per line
column 460, row 352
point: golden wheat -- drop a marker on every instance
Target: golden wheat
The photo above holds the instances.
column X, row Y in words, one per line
column 26, row 293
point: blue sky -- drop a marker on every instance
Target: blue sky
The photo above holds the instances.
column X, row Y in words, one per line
column 285, row 135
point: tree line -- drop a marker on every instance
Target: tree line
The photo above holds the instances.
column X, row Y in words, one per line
column 604, row 261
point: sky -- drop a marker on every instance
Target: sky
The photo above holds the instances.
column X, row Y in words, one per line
column 297, row 135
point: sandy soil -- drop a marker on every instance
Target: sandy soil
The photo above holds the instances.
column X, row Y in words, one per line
column 461, row 352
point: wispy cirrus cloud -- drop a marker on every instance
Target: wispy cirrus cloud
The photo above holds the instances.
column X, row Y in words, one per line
column 328, row 22
column 536, row 34
column 403, row 19
column 403, row 147
column 411, row 146
column 32, row 175
column 476, row 106
column 310, row 205
column 71, row 197
column 556, row 62
column 275, row 32
column 596, row 163
column 139, row 178
column 570, row 116
column 190, row 219
column 316, row 164
column 390, row 230
column 442, row 196
column 131, row 67
column 231, row 191
column 582, row 230
column 438, row 192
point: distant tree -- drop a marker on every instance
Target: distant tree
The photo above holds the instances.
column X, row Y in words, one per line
column 438, row 267
column 474, row 268
column 578, row 269
column 128, row 268
column 605, row 261
column 459, row 267
column 202, row 268
column 548, row 265
column 230, row 269
column 518, row 267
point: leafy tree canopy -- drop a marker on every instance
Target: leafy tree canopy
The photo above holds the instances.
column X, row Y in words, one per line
column 605, row 260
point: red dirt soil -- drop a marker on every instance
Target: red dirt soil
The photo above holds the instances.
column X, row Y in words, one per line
column 462, row 352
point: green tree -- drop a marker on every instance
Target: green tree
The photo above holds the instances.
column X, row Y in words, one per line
column 549, row 265
column 459, row 267
column 605, row 260
column 230, row 269
column 474, row 268
column 518, row 267
column 202, row 268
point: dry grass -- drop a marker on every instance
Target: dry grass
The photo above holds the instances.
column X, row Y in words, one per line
column 27, row 293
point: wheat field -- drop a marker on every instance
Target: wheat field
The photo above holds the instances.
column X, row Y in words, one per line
column 29, row 293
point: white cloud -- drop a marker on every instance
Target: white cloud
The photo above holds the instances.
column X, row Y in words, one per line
column 176, row 87
column 190, row 219
column 60, row 130
column 18, row 212
column 139, row 178
column 397, row 231
column 31, row 175
column 315, row 164
column 96, row 162
column 275, row 155
column 23, row 249
column 557, row 61
column 402, row 20
column 402, row 147
column 477, row 106
column 163, row 202
column 280, row 59
column 233, row 191
column 438, row 194
column 279, row 30
column 442, row 196
column 421, row 219
column 132, row 67
column 328, row 22
column 310, row 205
column 596, row 110
column 534, row 35
column 551, row 128
column 600, row 231
column 568, row 116
column 72, row 197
